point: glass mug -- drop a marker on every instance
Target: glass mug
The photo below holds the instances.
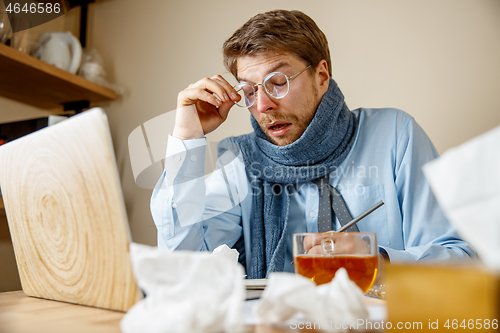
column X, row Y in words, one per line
column 318, row 256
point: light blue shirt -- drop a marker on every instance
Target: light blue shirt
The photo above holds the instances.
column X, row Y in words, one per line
column 385, row 163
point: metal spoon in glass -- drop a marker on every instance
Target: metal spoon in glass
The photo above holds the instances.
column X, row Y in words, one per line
column 362, row 216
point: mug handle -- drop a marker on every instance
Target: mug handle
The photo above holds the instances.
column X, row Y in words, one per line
column 76, row 53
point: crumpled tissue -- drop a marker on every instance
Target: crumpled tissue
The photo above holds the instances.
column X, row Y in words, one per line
column 288, row 296
column 185, row 291
column 226, row 252
column 466, row 184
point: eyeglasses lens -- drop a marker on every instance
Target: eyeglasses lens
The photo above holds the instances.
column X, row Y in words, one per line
column 276, row 85
column 247, row 94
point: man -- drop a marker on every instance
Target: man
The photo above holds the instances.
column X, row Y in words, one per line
column 304, row 137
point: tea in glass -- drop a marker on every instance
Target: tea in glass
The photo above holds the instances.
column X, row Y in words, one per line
column 318, row 256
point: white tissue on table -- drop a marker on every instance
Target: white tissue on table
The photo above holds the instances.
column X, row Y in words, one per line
column 185, row 292
column 226, row 252
column 466, row 183
column 288, row 295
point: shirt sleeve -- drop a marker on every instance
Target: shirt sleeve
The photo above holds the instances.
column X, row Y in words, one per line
column 427, row 233
column 189, row 211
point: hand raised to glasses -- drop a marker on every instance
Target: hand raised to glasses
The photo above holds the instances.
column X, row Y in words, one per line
column 199, row 111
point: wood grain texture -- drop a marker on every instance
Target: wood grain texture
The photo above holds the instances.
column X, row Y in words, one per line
column 66, row 214
column 33, row 81
column 19, row 313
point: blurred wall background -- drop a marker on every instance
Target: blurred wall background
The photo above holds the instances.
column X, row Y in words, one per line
column 436, row 59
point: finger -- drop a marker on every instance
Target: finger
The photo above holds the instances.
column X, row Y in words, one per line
column 342, row 247
column 311, row 241
column 317, row 239
column 315, row 250
column 350, row 245
column 308, row 243
column 224, row 109
column 193, row 95
column 213, row 86
column 230, row 91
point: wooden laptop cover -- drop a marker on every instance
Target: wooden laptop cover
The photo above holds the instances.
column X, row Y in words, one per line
column 66, row 214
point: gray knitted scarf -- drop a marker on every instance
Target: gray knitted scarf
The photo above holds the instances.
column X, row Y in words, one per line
column 320, row 150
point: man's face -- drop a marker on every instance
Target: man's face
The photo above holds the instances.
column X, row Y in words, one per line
column 282, row 120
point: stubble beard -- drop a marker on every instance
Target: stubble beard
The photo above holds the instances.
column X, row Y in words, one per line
column 300, row 122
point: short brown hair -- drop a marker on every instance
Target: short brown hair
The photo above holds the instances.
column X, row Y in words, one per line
column 279, row 31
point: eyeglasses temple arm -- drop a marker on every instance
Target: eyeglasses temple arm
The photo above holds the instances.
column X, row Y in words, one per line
column 294, row 75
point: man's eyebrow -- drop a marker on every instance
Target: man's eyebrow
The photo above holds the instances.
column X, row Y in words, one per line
column 277, row 66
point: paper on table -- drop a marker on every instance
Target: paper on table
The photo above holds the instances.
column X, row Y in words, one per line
column 288, row 295
column 466, row 183
column 185, row 292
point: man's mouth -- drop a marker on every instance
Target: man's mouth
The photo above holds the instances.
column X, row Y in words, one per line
column 279, row 128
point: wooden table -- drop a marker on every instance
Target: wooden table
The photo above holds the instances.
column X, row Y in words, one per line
column 21, row 313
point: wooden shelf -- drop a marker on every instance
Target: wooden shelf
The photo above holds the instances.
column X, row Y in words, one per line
column 33, row 81
column 1, row 203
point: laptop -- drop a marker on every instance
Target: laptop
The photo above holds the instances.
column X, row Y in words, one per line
column 66, row 214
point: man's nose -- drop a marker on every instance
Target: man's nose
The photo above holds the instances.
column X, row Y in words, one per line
column 264, row 102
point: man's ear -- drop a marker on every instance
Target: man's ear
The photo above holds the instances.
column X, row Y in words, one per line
column 322, row 77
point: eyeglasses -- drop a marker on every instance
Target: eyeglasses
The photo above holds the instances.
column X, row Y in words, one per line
column 275, row 84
